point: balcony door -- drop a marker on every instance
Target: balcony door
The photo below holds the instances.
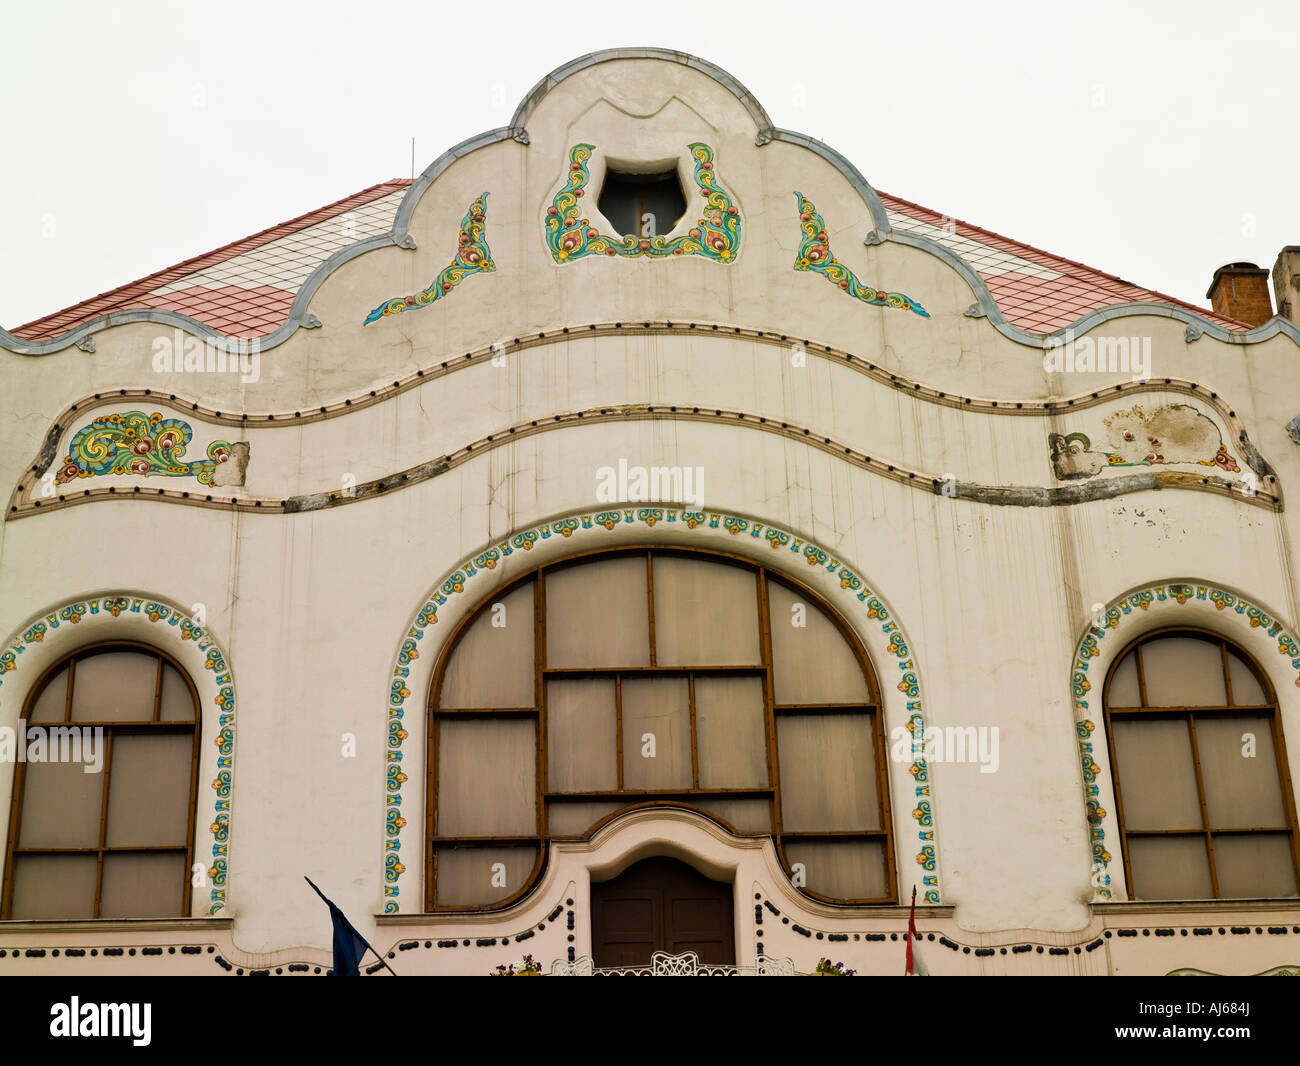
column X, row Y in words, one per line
column 661, row 904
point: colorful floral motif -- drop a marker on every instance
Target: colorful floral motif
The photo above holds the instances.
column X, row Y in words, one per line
column 472, row 257
column 715, row 236
column 1080, row 686
column 1174, row 433
column 132, row 442
column 701, row 522
column 815, row 254
column 183, row 628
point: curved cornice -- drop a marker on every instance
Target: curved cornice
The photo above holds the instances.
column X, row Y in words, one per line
column 474, row 357
column 605, row 55
column 986, row 306
column 299, row 317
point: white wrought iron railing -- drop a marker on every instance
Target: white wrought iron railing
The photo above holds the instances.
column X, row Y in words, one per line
column 663, row 964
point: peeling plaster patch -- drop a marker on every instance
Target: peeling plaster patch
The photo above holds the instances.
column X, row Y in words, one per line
column 317, row 501
column 49, row 450
column 234, row 470
column 1029, row 496
column 1293, row 429
column 1174, row 433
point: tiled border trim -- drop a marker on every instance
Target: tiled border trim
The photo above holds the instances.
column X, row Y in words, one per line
column 690, row 525
column 1225, row 604
column 181, row 627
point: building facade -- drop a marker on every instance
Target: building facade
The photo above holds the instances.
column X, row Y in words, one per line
column 638, row 534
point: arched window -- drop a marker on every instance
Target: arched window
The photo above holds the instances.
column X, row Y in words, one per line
column 654, row 676
column 1202, row 790
column 102, row 817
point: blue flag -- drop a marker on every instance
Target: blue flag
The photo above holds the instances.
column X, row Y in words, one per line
column 349, row 945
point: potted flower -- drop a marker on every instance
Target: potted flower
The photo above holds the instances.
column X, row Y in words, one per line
column 529, row 967
column 826, row 968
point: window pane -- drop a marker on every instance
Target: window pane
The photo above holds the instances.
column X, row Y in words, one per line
column 177, row 703
column 598, row 614
column 115, row 686
column 625, row 200
column 828, row 772
column 487, row 777
column 471, row 877
column 492, row 665
column 850, row 869
column 582, row 736
column 143, row 885
column 659, row 707
column 1124, row 684
column 574, row 818
column 1241, row 792
column 61, row 805
column 1183, row 672
column 1246, row 689
column 730, row 733
column 51, row 704
column 53, row 886
column 149, row 791
column 706, row 614
column 1173, row 867
column 811, row 663
column 1157, row 776
column 1254, row 865
column 743, row 815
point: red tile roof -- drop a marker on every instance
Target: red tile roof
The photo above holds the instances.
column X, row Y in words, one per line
column 245, row 289
column 1050, row 298
column 267, row 269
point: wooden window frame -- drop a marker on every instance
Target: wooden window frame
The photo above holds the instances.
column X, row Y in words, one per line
column 154, row 727
column 1189, row 714
column 688, row 798
column 638, row 186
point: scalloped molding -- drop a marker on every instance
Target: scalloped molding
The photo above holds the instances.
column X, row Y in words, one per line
column 688, row 527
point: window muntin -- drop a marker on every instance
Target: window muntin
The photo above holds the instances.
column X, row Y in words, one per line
column 1198, row 818
column 688, row 646
column 119, row 843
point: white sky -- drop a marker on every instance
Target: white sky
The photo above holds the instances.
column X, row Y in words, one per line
column 1154, row 141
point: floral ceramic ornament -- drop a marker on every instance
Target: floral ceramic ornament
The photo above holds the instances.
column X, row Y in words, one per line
column 473, row 256
column 570, row 236
column 135, row 443
column 815, row 254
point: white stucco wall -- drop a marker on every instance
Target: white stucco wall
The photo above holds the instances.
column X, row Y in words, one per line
column 310, row 609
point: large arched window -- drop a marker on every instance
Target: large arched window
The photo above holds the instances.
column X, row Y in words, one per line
column 654, row 676
column 1202, row 789
column 117, row 841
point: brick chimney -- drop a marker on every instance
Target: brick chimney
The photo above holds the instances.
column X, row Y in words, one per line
column 1240, row 291
column 1286, row 283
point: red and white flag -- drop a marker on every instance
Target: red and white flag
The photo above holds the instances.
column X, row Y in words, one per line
column 915, row 964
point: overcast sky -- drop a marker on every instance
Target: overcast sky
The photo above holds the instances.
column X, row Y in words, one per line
column 1155, row 141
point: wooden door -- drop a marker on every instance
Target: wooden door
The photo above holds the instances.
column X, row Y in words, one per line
column 661, row 905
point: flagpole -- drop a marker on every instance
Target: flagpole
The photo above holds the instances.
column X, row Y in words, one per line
column 367, row 943
column 911, row 929
column 381, row 959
